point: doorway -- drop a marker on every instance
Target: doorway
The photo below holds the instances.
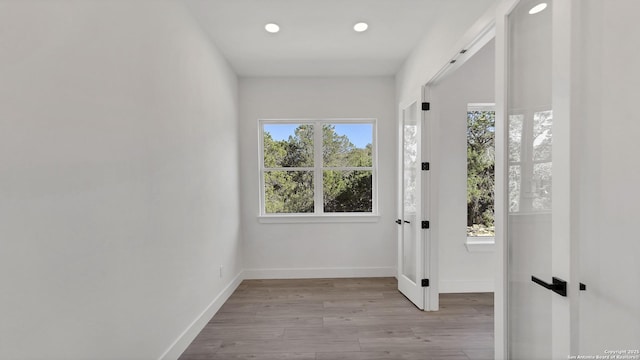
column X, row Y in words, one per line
column 465, row 263
column 452, row 262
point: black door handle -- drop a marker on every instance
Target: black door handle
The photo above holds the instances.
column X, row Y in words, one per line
column 399, row 222
column 558, row 286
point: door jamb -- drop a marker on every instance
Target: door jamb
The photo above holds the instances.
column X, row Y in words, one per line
column 429, row 205
column 501, row 295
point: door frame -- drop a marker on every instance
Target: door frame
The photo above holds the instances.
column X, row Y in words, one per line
column 479, row 36
column 429, row 205
column 501, row 320
column 430, row 150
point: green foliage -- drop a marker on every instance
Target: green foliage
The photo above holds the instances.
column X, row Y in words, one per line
column 347, row 191
column 295, row 152
column 292, row 191
column 288, row 192
column 480, row 167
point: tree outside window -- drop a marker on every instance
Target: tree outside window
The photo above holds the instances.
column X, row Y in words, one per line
column 480, row 170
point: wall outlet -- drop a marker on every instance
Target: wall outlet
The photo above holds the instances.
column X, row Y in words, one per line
column 221, row 268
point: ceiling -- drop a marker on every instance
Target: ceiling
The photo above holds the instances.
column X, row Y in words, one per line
column 316, row 37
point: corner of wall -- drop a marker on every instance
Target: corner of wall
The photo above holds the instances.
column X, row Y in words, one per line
column 189, row 334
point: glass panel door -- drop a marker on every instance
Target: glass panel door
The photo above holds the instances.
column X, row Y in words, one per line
column 529, row 226
column 410, row 250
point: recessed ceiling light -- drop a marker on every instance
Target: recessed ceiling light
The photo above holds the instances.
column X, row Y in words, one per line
column 536, row 9
column 272, row 28
column 360, row 27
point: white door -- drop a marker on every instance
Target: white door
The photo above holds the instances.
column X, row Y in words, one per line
column 538, row 221
column 608, row 197
column 410, row 236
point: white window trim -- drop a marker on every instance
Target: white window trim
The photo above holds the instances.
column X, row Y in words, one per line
column 481, row 107
column 319, row 216
column 312, row 218
column 480, row 243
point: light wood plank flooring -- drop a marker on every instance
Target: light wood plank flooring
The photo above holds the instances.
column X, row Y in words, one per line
column 343, row 319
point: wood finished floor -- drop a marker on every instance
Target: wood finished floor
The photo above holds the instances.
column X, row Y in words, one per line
column 343, row 319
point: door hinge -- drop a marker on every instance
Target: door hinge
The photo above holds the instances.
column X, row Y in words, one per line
column 426, row 106
column 425, row 166
column 425, row 224
column 425, row 282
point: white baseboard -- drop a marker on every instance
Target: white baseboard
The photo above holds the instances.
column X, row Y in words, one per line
column 465, row 286
column 182, row 342
column 308, row 273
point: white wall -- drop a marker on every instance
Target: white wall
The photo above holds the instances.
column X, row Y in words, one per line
column 318, row 249
column 606, row 146
column 119, row 195
column 442, row 42
column 459, row 269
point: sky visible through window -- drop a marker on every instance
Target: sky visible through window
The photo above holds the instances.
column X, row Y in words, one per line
column 359, row 134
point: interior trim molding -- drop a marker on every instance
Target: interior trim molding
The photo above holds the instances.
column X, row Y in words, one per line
column 466, row 286
column 189, row 334
column 480, row 243
column 311, row 273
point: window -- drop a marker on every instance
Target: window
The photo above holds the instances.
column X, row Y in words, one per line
column 318, row 167
column 480, row 169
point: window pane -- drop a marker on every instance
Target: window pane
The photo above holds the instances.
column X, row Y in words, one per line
column 347, row 145
column 410, row 151
column 514, row 188
column 347, row 191
column 480, row 172
column 288, row 192
column 542, row 135
column 409, row 191
column 288, row 145
column 541, row 186
column 515, row 137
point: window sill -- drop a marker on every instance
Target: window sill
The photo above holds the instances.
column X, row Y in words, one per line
column 302, row 219
column 480, row 243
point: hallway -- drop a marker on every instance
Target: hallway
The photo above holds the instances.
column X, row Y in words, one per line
column 343, row 319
